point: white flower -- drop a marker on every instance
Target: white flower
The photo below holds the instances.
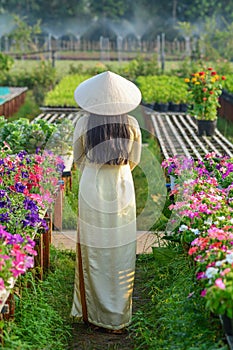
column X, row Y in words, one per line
column 229, row 258
column 211, row 272
column 183, row 228
column 208, row 221
column 195, row 231
column 220, row 262
column 221, row 218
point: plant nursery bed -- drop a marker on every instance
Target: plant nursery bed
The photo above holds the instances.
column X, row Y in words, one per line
column 177, row 135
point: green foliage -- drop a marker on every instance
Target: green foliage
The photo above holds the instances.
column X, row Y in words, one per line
column 20, row 134
column 23, row 34
column 40, row 79
column 140, row 67
column 173, row 315
column 29, row 109
column 42, row 312
column 225, row 127
column 63, row 93
column 6, row 62
column 162, row 88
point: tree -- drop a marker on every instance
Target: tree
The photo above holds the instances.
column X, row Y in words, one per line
column 112, row 9
column 23, row 34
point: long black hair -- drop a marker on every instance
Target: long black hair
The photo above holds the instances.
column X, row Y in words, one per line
column 107, row 139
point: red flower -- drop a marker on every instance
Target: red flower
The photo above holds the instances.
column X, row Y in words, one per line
column 204, row 89
column 201, row 73
column 210, row 68
column 213, row 73
column 211, row 92
column 223, row 77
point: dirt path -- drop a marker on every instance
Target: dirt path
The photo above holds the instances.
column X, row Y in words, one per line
column 85, row 338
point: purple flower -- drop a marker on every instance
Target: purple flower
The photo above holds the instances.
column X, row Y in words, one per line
column 2, row 193
column 201, row 275
column 30, row 204
column 21, row 154
column 3, row 204
column 24, row 174
column 17, row 238
column 19, row 187
column 4, row 217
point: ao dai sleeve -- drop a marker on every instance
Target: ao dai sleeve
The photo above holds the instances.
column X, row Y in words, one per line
column 135, row 151
column 78, row 143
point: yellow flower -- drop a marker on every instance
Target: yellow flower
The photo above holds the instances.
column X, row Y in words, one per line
column 197, row 83
column 187, row 80
column 194, row 80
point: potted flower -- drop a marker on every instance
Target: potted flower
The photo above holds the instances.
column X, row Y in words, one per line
column 204, row 89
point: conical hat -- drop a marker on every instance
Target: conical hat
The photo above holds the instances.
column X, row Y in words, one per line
column 107, row 94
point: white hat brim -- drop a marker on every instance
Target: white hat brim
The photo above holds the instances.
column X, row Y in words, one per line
column 107, row 94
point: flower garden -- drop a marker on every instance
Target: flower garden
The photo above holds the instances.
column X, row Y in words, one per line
column 201, row 203
column 203, row 223
column 27, row 189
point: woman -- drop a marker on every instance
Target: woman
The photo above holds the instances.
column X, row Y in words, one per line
column 107, row 147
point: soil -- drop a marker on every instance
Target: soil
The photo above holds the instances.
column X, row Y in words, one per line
column 85, row 338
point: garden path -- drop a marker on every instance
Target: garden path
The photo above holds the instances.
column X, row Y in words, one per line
column 84, row 338
column 66, row 240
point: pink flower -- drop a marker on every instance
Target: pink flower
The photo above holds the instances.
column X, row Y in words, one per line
column 192, row 250
column 2, row 284
column 225, row 271
column 203, row 292
column 201, row 275
column 219, row 283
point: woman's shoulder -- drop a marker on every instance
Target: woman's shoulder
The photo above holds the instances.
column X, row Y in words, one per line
column 132, row 121
column 81, row 121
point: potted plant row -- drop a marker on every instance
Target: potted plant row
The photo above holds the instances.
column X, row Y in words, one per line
column 163, row 93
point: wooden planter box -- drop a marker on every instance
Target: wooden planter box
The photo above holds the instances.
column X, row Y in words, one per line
column 11, row 101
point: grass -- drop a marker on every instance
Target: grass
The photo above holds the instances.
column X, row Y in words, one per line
column 42, row 312
column 28, row 110
column 225, row 127
column 174, row 314
column 168, row 312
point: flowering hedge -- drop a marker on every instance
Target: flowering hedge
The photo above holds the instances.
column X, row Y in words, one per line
column 203, row 221
column 28, row 185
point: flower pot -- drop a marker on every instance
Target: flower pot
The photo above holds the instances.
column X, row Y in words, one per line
column 174, row 107
column 206, row 127
column 183, row 107
column 227, row 323
column 162, row 107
